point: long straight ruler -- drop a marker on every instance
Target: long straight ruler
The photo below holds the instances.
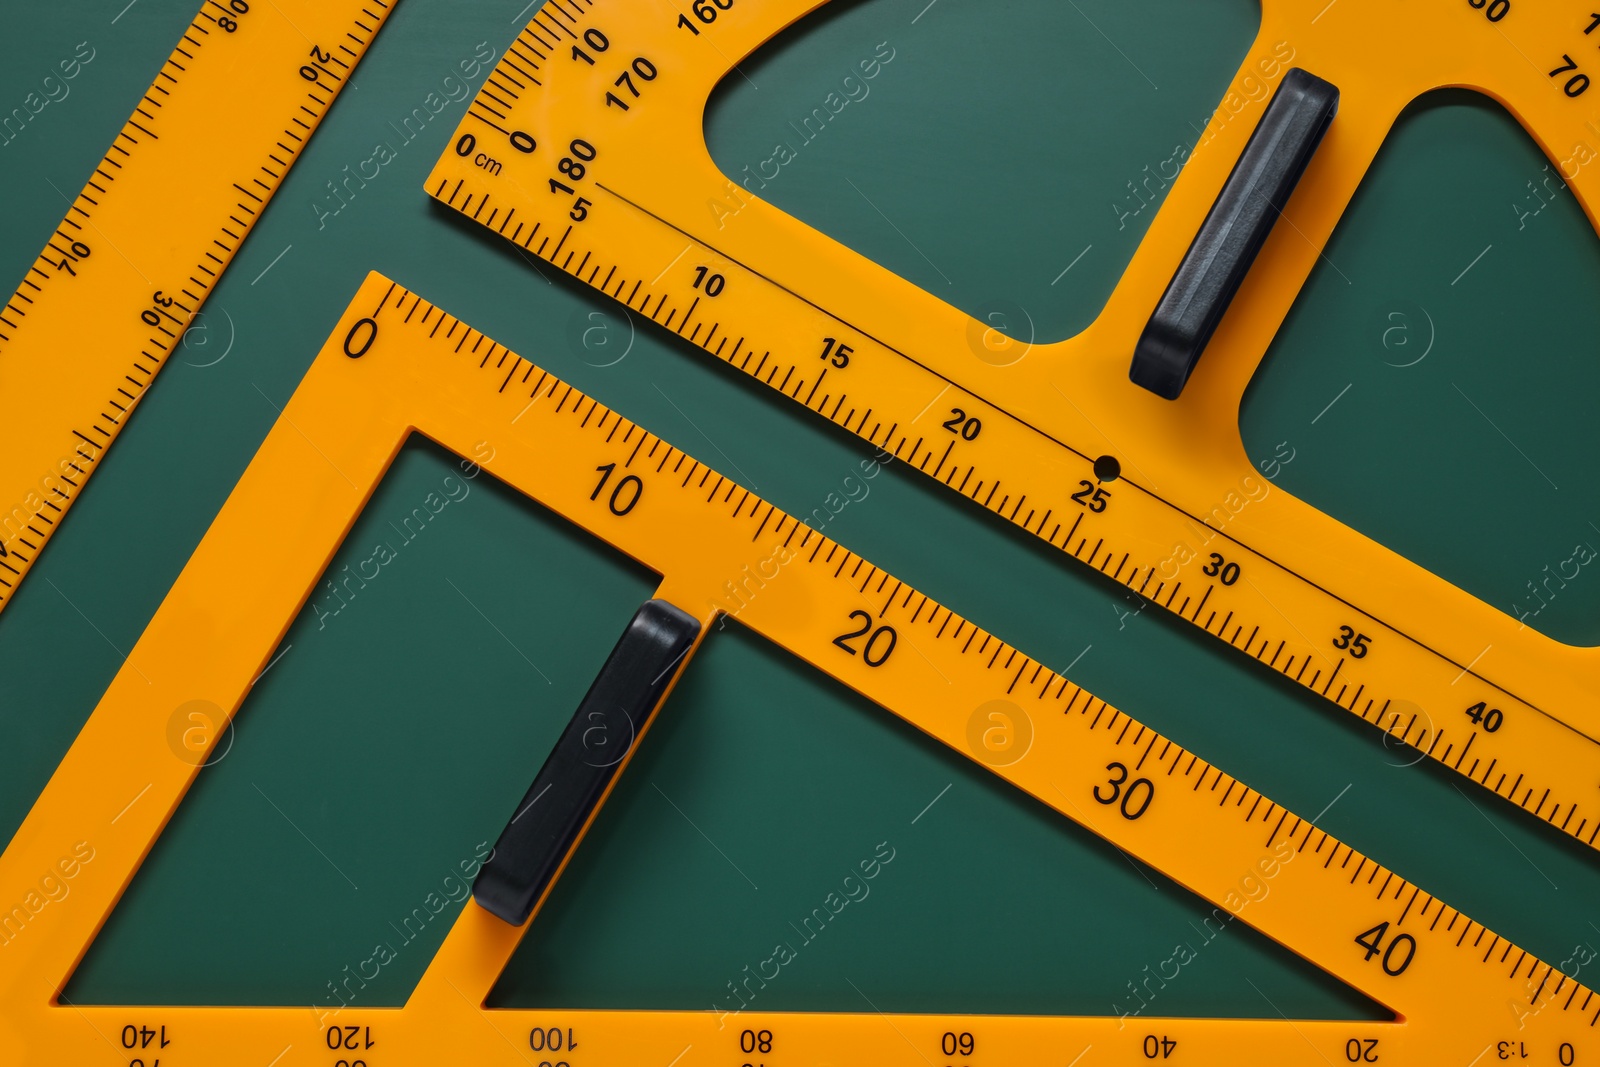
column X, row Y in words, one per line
column 585, row 147
column 144, row 243
column 1461, row 994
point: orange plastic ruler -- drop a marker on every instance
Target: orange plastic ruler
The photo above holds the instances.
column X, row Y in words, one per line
column 586, row 148
column 396, row 365
column 144, row 243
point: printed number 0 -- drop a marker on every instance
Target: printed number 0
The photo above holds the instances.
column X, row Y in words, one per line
column 356, row 345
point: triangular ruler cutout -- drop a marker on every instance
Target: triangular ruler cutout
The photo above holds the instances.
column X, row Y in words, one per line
column 1457, row 290
column 782, row 845
column 621, row 192
column 850, row 121
column 397, row 365
column 337, row 826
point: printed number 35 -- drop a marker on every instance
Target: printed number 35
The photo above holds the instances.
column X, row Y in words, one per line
column 1351, row 642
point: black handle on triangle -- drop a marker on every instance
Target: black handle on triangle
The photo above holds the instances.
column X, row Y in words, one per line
column 603, row 731
column 1234, row 230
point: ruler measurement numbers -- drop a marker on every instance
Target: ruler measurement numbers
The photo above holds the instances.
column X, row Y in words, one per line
column 584, row 148
column 100, row 310
column 1456, row 987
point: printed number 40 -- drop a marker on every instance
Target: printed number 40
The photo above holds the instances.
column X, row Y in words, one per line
column 1397, row 954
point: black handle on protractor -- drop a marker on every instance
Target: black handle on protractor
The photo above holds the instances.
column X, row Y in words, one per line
column 603, row 731
column 1234, row 230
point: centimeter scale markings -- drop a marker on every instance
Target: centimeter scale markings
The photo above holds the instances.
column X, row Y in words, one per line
column 1461, row 993
column 585, row 148
column 122, row 277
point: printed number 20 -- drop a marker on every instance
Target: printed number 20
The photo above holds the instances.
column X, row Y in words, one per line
column 880, row 642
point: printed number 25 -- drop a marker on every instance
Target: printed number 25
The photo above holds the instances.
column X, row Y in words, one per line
column 1092, row 497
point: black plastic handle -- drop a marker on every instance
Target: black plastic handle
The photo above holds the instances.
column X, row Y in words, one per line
column 603, row 731
column 1234, row 230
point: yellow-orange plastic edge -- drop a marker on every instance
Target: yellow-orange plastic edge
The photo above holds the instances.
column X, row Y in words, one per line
column 651, row 217
column 102, row 308
column 1458, row 990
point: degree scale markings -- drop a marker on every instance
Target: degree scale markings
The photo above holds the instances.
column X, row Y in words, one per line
column 141, row 247
column 650, row 216
column 1457, row 988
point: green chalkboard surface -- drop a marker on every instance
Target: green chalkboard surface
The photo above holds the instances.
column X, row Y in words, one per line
column 389, row 742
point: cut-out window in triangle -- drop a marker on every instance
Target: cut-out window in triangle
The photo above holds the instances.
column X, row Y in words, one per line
column 1430, row 382
column 864, row 125
column 332, row 836
column 219, row 627
column 780, row 844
